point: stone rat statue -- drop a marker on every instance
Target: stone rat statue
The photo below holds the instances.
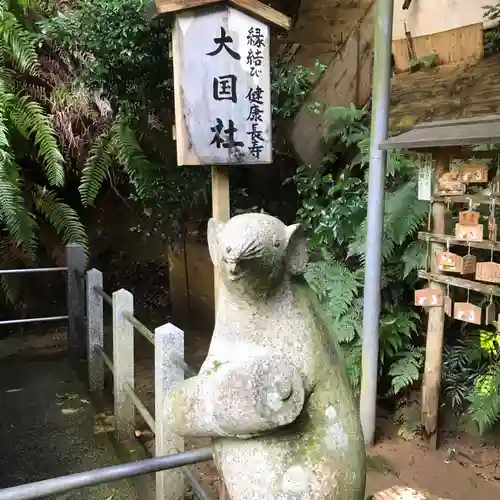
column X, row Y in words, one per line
column 273, row 392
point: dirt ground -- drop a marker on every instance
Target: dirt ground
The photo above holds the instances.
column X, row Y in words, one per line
column 464, row 467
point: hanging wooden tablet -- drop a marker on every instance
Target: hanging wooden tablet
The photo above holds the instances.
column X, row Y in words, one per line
column 488, row 271
column 469, row 217
column 469, row 232
column 450, row 184
column 492, row 229
column 448, row 306
column 429, row 297
column 467, row 312
column 449, row 262
column 474, row 173
column 468, row 264
column 495, row 185
column 490, row 313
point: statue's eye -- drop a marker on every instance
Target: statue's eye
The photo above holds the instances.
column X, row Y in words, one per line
column 228, row 249
column 276, row 242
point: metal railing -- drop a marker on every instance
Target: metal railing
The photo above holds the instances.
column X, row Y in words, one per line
column 74, row 269
column 169, row 369
column 63, row 484
column 86, row 298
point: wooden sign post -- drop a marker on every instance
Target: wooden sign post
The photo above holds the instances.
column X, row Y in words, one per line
column 222, row 87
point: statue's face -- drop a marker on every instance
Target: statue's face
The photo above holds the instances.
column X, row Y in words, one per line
column 252, row 253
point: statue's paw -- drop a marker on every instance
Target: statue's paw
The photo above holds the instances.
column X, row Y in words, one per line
column 283, row 394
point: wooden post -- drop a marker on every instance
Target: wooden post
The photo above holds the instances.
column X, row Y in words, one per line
column 75, row 261
column 220, row 209
column 435, row 327
column 95, row 330
column 169, row 341
column 123, row 362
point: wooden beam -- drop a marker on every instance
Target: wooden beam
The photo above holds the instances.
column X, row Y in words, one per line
column 264, row 12
column 457, row 152
column 253, row 7
column 477, row 199
column 170, row 6
column 460, row 283
column 444, row 238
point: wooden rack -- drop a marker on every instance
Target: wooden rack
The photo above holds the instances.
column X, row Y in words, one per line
column 446, row 141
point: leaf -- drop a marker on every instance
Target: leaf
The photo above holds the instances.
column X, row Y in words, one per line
column 406, row 370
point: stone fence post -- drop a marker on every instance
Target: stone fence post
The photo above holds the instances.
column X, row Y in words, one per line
column 123, row 363
column 169, row 342
column 95, row 330
column 75, row 262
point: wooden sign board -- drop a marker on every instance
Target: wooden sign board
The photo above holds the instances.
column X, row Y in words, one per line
column 469, row 218
column 429, row 297
column 465, row 311
column 425, row 177
column 474, row 173
column 469, row 232
column 222, row 86
column 488, row 271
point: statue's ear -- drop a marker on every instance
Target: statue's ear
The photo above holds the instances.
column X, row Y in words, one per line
column 213, row 230
column 296, row 249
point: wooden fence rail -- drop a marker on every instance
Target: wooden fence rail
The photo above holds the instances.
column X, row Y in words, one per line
column 169, row 369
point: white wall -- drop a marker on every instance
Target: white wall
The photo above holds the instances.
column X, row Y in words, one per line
column 425, row 17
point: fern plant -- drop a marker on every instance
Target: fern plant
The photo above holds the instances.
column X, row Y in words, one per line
column 32, row 167
column 334, row 211
column 471, row 377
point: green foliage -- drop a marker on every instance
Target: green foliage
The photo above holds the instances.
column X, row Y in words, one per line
column 405, row 371
column 492, row 37
column 31, row 163
column 334, row 212
column 290, row 87
column 125, row 61
column 127, row 53
column 485, row 400
column 119, row 145
column 471, row 377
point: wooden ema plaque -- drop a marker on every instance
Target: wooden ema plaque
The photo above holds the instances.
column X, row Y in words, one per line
column 471, row 173
column 467, row 312
column 452, row 263
column 469, row 218
column 429, row 297
column 469, row 232
column 450, row 184
column 490, row 313
column 488, row 271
